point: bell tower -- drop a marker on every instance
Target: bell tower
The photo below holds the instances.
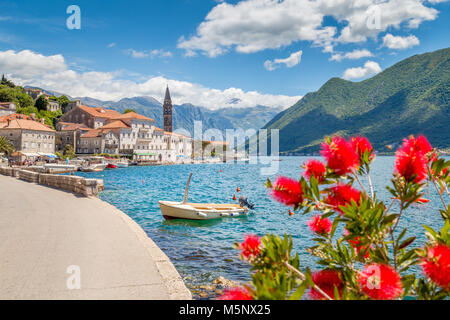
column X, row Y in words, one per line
column 167, row 111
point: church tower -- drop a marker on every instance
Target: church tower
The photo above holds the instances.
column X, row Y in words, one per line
column 167, row 111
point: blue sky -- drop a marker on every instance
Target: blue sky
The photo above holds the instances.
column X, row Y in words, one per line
column 211, row 52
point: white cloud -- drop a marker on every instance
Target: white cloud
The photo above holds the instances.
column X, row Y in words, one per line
column 370, row 68
column 355, row 54
column 112, row 44
column 29, row 64
column 255, row 25
column 149, row 53
column 437, row 1
column 400, row 43
column 52, row 73
column 291, row 61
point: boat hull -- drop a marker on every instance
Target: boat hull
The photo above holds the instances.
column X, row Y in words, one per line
column 199, row 211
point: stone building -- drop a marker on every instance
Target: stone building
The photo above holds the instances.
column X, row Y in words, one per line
column 71, row 105
column 53, row 106
column 30, row 138
column 7, row 108
column 69, row 134
column 90, row 116
column 34, row 93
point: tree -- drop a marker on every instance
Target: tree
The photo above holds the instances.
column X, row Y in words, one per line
column 69, row 152
column 7, row 82
column 6, row 146
column 63, row 101
column 41, row 103
column 128, row 111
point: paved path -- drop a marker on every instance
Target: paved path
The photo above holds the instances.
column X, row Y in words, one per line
column 44, row 231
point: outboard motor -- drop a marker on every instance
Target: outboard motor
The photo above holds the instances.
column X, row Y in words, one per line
column 244, row 202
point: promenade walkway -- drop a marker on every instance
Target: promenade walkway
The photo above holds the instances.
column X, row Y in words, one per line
column 58, row 245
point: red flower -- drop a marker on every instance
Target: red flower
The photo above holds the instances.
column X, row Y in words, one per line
column 411, row 164
column 237, row 293
column 288, row 191
column 356, row 244
column 341, row 195
column 361, row 145
column 411, row 160
column 315, row 168
column 340, row 155
column 250, row 246
column 437, row 265
column 419, row 144
column 326, row 280
column 380, row 282
column 320, row 225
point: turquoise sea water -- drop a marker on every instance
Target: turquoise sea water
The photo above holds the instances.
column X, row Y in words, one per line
column 202, row 250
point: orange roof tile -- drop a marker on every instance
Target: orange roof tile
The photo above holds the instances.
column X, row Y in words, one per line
column 27, row 125
column 133, row 115
column 115, row 125
column 91, row 134
column 100, row 112
column 14, row 116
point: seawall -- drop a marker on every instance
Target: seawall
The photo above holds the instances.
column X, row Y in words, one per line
column 79, row 185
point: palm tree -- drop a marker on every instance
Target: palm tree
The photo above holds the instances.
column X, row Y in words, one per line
column 6, row 146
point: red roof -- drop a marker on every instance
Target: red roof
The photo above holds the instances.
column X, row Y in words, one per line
column 14, row 116
column 117, row 124
column 27, row 125
column 133, row 115
column 100, row 112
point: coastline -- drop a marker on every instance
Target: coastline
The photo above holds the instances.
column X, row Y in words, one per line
column 40, row 240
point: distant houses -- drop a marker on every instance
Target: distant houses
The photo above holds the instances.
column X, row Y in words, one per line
column 7, row 108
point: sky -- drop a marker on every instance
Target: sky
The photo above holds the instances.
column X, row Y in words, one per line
column 212, row 53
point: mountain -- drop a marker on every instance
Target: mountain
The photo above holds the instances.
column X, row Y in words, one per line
column 184, row 115
column 410, row 97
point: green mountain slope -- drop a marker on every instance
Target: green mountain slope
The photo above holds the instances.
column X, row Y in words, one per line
column 411, row 97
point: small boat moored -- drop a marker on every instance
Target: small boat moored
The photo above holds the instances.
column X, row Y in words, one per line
column 202, row 211
column 111, row 166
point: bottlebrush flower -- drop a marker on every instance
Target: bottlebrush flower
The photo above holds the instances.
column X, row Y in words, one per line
column 361, row 145
column 251, row 246
column 288, row 191
column 411, row 164
column 340, row 155
column 320, row 225
column 436, row 265
column 315, row 168
column 341, row 195
column 237, row 293
column 326, row 280
column 356, row 244
column 419, row 144
column 380, row 282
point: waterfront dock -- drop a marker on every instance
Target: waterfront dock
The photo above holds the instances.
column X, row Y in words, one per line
column 59, row 245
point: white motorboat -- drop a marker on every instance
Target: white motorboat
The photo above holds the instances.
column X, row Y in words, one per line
column 201, row 211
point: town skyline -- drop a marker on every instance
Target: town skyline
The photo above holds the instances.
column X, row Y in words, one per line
column 186, row 47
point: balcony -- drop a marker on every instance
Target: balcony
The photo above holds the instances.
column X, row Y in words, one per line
column 111, row 145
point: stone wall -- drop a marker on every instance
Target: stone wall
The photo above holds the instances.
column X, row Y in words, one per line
column 80, row 185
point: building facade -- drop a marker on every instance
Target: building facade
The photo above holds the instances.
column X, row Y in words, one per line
column 90, row 116
column 29, row 137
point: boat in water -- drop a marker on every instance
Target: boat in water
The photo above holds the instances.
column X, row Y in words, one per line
column 94, row 167
column 122, row 164
column 202, row 211
column 111, row 166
